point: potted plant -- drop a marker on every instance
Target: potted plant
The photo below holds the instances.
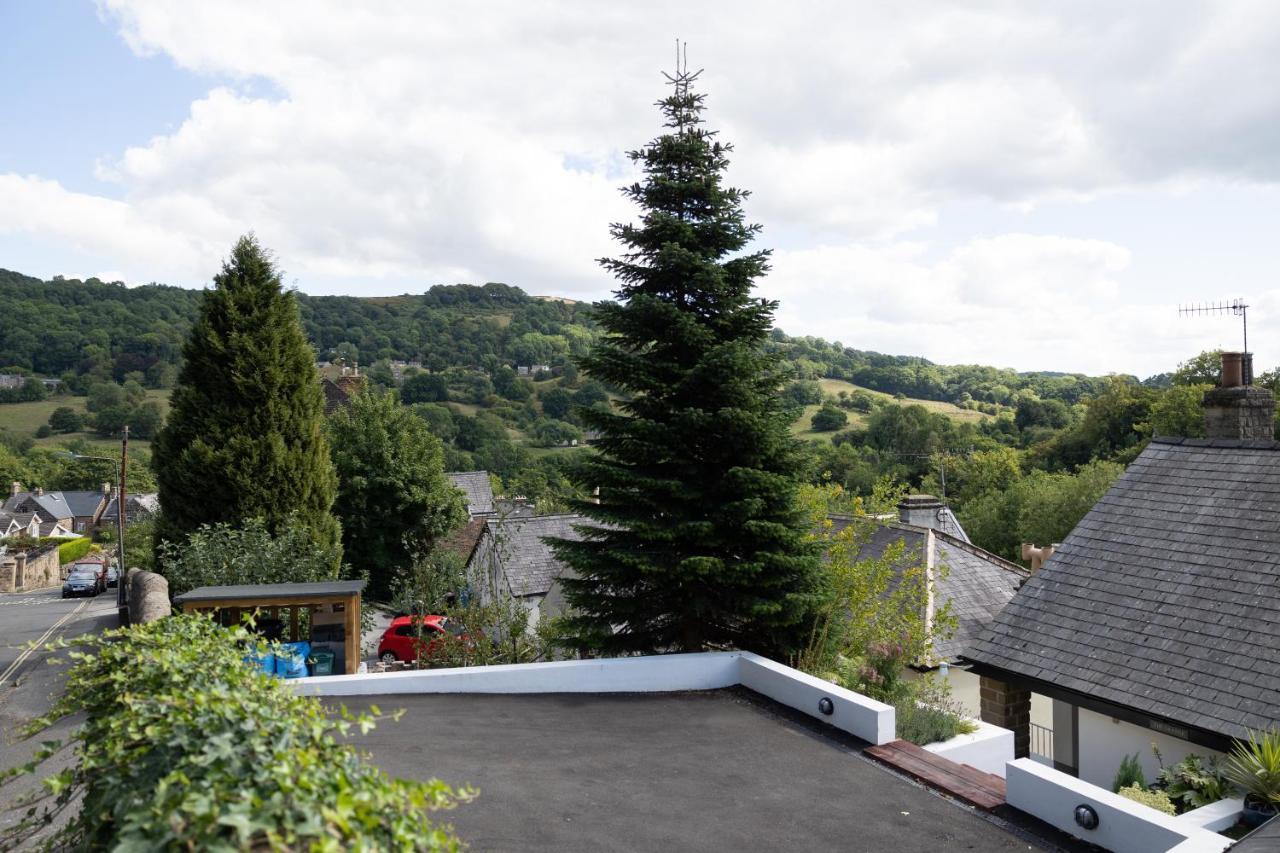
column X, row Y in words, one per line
column 1254, row 766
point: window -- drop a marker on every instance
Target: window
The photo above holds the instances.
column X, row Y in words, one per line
column 405, row 631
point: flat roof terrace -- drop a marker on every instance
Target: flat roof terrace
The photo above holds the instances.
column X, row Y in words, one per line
column 712, row 770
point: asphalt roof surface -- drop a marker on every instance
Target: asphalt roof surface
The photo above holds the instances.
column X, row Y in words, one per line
column 675, row 771
column 270, row 590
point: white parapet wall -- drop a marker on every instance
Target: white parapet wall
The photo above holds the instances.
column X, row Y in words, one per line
column 989, row 749
column 850, row 712
column 1124, row 826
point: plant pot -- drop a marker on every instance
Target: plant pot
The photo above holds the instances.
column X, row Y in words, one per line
column 1257, row 811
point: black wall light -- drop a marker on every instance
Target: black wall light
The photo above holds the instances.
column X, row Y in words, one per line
column 826, row 706
column 1086, row 817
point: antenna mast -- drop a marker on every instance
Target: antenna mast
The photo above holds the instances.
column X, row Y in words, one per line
column 1235, row 306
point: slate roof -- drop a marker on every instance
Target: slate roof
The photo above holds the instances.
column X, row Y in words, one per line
column 527, row 561
column 977, row 583
column 1166, row 596
column 138, row 505
column 57, row 505
column 476, row 490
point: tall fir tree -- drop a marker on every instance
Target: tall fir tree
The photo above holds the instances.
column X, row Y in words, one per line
column 700, row 544
column 245, row 433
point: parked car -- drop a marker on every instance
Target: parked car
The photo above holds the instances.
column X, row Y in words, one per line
column 83, row 580
column 97, row 567
column 113, row 576
column 399, row 640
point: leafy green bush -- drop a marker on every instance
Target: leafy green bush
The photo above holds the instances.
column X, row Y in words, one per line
column 1129, row 773
column 1157, row 800
column 221, row 554
column 1193, row 782
column 69, row 552
column 186, row 746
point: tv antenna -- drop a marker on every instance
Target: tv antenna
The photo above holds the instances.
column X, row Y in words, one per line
column 1235, row 306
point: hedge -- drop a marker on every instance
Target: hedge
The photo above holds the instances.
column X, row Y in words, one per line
column 69, row 552
column 186, row 746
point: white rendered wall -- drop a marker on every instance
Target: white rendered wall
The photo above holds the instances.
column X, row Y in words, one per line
column 989, row 749
column 859, row 715
column 1123, row 825
column 1104, row 741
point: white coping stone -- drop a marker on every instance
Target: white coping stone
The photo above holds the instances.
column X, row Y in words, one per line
column 1214, row 817
column 851, row 712
column 1124, row 826
column 989, row 749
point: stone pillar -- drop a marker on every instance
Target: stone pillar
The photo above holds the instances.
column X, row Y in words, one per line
column 1008, row 708
column 20, row 571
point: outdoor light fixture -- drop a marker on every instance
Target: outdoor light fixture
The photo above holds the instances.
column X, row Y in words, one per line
column 1086, row 817
column 826, row 706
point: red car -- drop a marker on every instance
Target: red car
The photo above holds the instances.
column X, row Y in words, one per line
column 399, row 640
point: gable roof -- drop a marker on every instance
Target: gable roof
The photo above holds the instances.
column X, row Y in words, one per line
column 335, row 396
column 476, row 489
column 1165, row 598
column 530, row 566
column 135, row 505
column 976, row 582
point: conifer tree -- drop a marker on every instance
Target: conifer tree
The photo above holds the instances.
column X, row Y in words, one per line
column 701, row 544
column 245, row 433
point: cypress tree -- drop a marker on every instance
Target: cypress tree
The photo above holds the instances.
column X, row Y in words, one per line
column 245, row 433
column 700, row 543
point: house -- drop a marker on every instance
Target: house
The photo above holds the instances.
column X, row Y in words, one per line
column 1158, row 618
column 76, row 511
column 137, row 507
column 477, row 491
column 10, row 381
column 976, row 583
column 513, row 559
column 20, row 524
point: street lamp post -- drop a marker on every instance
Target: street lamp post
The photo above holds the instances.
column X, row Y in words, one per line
column 122, row 470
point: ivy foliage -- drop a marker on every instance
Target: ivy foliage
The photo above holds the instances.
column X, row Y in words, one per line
column 186, row 746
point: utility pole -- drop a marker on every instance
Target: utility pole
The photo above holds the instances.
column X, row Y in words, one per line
column 122, row 593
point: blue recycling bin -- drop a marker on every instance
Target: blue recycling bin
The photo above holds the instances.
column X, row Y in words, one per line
column 291, row 660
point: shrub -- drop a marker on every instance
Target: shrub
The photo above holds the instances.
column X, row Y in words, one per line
column 1193, row 782
column 1157, row 800
column 221, row 554
column 69, row 552
column 186, row 746
column 1254, row 765
column 1129, row 773
column 828, row 419
column 921, row 724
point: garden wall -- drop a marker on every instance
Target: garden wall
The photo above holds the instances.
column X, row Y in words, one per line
column 36, row 569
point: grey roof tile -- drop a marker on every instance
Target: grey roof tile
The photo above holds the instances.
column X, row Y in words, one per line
column 476, row 489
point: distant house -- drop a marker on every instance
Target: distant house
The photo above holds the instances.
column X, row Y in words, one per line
column 514, row 559
column 9, row 381
column 1158, row 618
column 339, row 383
column 77, row 511
column 137, row 507
column 976, row 583
column 19, row 524
column 477, row 491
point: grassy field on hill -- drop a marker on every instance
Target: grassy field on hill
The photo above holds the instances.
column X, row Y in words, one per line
column 24, row 419
column 831, row 387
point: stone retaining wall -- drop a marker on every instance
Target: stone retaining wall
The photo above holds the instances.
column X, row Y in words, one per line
column 37, row 569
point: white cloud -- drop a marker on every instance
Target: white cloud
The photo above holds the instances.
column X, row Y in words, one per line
column 424, row 143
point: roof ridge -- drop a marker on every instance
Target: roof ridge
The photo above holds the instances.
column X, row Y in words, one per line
column 1007, row 565
column 1218, row 443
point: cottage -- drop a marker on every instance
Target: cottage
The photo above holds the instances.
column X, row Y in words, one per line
column 1158, row 618
column 76, row 511
column 513, row 559
column 477, row 491
column 137, row 508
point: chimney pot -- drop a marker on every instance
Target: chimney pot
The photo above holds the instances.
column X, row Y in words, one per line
column 1232, row 370
column 39, row 491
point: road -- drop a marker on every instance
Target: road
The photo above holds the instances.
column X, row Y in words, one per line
column 28, row 682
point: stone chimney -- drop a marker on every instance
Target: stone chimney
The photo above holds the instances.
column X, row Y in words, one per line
column 1236, row 409
column 921, row 511
column 14, row 488
column 1038, row 555
column 39, row 491
column 106, row 490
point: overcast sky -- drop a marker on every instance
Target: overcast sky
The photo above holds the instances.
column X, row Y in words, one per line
column 1027, row 185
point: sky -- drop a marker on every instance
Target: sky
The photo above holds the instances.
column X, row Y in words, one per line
column 1036, row 186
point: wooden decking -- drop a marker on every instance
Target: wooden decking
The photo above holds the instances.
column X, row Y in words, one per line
column 965, row 783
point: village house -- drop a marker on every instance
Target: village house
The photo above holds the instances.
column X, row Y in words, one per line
column 477, row 492
column 1158, row 618
column 76, row 511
